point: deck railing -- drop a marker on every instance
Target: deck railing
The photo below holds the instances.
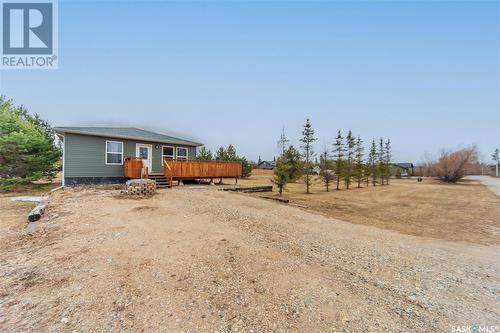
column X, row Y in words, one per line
column 184, row 169
column 132, row 167
column 196, row 169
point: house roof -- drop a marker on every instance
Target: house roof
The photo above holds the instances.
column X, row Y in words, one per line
column 266, row 164
column 132, row 133
column 404, row 165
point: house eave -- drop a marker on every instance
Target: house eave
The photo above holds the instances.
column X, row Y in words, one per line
column 62, row 131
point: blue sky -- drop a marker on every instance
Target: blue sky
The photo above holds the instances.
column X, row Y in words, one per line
column 425, row 74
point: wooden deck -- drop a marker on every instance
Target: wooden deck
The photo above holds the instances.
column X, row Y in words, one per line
column 194, row 169
column 182, row 170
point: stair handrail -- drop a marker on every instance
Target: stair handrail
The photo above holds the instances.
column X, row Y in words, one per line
column 170, row 179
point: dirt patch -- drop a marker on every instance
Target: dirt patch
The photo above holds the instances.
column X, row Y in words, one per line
column 206, row 260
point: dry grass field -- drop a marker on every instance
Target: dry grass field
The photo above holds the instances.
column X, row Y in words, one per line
column 467, row 211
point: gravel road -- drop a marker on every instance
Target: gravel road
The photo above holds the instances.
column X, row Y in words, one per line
column 491, row 182
column 202, row 260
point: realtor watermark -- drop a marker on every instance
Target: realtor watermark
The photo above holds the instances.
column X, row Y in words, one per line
column 474, row 328
column 29, row 37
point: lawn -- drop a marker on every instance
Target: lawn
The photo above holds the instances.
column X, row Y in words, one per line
column 467, row 211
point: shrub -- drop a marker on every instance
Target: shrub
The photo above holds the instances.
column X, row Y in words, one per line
column 451, row 166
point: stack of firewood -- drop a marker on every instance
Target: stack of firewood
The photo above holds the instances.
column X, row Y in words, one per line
column 140, row 187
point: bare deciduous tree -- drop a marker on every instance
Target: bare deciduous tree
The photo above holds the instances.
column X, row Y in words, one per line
column 450, row 166
column 283, row 142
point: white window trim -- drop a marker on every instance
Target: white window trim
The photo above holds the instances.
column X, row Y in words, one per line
column 163, row 156
column 177, row 153
column 106, row 154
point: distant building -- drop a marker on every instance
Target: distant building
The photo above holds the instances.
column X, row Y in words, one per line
column 266, row 165
column 402, row 169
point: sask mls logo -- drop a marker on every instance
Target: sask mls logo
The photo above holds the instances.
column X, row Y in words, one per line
column 29, row 34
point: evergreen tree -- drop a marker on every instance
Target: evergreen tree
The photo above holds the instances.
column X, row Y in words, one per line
column 220, row 154
column 27, row 146
column 283, row 142
column 381, row 160
column 325, row 169
column 281, row 174
column 366, row 171
column 246, row 168
column 204, row 154
column 372, row 162
column 295, row 164
column 388, row 158
column 260, row 160
column 338, row 156
column 231, row 153
column 350, row 151
column 307, row 152
column 359, row 167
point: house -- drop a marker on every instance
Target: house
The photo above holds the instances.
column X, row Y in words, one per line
column 402, row 169
column 266, row 165
column 316, row 170
column 96, row 155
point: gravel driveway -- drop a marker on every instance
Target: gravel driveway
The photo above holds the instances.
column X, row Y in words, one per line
column 201, row 260
column 491, row 182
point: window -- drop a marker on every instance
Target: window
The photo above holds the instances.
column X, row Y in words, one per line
column 114, row 152
column 144, row 153
column 167, row 152
column 182, row 153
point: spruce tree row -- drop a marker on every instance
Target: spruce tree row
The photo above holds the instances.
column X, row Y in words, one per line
column 345, row 164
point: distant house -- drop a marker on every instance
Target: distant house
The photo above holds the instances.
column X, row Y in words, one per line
column 96, row 155
column 316, row 170
column 402, row 169
column 266, row 165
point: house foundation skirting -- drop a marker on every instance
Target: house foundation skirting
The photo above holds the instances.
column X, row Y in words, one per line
column 76, row 181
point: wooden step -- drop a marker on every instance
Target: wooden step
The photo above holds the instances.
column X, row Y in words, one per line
column 161, row 180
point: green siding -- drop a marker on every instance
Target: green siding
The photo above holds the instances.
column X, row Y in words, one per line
column 85, row 156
